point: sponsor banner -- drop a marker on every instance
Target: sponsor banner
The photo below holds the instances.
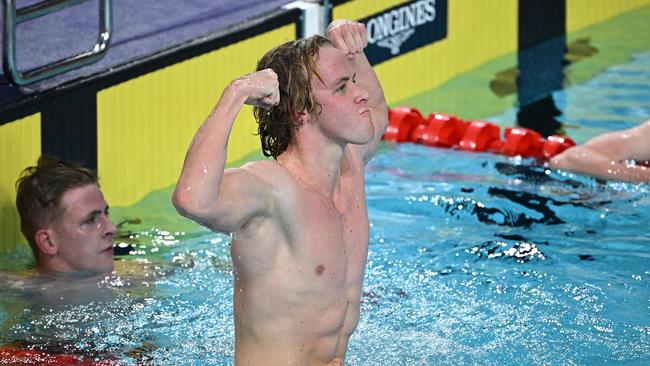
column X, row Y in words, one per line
column 404, row 28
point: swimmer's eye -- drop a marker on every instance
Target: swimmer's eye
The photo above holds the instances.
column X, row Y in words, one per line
column 345, row 83
column 91, row 219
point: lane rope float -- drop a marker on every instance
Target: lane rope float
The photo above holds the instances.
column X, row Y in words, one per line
column 447, row 131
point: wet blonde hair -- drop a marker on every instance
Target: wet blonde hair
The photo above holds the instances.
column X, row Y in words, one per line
column 295, row 63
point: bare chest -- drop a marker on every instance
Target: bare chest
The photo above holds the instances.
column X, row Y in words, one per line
column 310, row 244
column 330, row 238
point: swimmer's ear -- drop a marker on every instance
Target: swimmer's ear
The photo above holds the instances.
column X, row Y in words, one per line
column 44, row 242
column 302, row 118
column 299, row 119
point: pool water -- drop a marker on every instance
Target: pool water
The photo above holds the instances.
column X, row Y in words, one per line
column 473, row 259
column 504, row 265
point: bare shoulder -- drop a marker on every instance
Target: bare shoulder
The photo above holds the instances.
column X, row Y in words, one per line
column 256, row 173
column 261, row 166
column 270, row 171
column 272, row 174
column 285, row 194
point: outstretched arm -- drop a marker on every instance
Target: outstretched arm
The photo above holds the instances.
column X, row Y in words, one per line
column 224, row 200
column 350, row 37
column 605, row 156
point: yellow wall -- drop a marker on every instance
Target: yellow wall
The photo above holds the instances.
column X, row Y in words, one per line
column 582, row 13
column 477, row 31
column 145, row 125
column 20, row 146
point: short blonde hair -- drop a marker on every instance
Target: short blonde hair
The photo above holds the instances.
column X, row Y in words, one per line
column 39, row 190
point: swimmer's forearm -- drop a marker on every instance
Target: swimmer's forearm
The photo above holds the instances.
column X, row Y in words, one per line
column 351, row 38
column 629, row 173
column 200, row 180
column 584, row 160
column 367, row 78
column 617, row 171
column 369, row 81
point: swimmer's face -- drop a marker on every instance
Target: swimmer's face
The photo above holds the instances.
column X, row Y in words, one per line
column 345, row 114
column 83, row 235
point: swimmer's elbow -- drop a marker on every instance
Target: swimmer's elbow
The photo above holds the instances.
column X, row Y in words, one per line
column 217, row 216
column 572, row 159
column 559, row 162
column 188, row 206
column 182, row 203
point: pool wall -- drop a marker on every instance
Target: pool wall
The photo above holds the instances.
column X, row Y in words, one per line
column 133, row 123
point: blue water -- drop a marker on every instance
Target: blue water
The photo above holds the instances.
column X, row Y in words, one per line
column 503, row 265
column 473, row 259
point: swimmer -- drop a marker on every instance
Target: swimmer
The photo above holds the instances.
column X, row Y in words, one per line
column 64, row 217
column 620, row 155
column 299, row 222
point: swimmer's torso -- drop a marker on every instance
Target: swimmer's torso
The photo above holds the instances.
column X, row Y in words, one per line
column 298, row 273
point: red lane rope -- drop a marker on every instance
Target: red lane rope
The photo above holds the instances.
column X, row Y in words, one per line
column 447, row 131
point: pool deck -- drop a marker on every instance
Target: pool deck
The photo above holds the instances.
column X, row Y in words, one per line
column 140, row 29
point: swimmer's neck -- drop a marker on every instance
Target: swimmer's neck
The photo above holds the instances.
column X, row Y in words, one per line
column 319, row 176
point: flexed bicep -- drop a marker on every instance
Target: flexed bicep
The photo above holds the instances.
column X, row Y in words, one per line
column 242, row 196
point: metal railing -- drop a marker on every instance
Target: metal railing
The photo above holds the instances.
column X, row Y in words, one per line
column 14, row 16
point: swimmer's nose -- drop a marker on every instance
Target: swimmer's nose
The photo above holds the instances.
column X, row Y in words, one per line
column 362, row 94
column 110, row 228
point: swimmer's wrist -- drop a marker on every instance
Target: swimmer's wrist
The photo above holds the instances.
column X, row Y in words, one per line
column 236, row 93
